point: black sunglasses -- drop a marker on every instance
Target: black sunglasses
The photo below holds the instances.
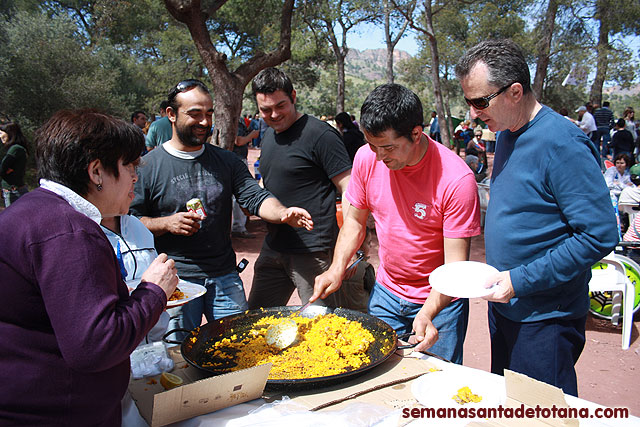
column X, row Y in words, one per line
column 482, row 103
column 183, row 86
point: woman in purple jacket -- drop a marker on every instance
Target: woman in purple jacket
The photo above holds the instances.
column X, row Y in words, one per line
column 68, row 324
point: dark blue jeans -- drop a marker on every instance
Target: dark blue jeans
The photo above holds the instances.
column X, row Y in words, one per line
column 546, row 350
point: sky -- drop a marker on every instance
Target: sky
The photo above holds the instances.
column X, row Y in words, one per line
column 372, row 37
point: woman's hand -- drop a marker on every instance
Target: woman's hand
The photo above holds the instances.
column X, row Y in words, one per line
column 162, row 272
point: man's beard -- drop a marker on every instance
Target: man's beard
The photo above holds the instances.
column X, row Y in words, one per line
column 185, row 133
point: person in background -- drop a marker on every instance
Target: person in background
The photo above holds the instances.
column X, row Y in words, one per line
column 604, row 122
column 241, row 149
column 351, row 136
column 133, row 245
column 479, row 169
column 424, row 201
column 548, row 221
column 434, row 127
column 255, row 125
column 477, row 147
column 354, row 121
column 14, row 164
column 586, row 122
column 184, row 168
column 629, row 117
column 622, row 141
column 139, row 118
column 303, row 162
column 618, row 177
column 160, row 130
column 66, row 336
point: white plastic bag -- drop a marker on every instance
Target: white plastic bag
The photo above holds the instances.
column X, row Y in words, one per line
column 149, row 360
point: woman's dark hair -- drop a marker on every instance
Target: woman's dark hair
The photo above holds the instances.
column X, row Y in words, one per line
column 345, row 120
column 15, row 135
column 70, row 140
column 625, row 157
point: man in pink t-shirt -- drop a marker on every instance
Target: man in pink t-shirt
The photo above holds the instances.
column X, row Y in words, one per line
column 424, row 200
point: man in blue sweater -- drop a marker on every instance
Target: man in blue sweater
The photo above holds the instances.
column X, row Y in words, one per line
column 549, row 219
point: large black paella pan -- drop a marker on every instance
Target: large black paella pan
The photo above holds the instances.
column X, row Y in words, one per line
column 196, row 343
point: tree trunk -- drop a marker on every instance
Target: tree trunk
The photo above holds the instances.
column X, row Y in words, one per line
column 389, row 72
column 447, row 110
column 435, row 67
column 228, row 86
column 340, row 53
column 603, row 51
column 389, row 42
column 341, row 83
column 544, row 49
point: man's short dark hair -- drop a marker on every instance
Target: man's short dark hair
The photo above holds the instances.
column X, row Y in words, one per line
column 391, row 106
column 163, row 105
column 621, row 123
column 70, row 140
column 135, row 114
column 606, row 104
column 505, row 61
column 271, row 80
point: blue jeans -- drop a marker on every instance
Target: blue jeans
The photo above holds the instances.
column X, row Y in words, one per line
column 603, row 133
column 546, row 350
column 451, row 322
column 225, row 296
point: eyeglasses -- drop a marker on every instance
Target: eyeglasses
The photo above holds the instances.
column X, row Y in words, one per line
column 482, row 103
column 183, row 86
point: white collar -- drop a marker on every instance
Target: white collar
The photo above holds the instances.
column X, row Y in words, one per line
column 186, row 155
column 76, row 201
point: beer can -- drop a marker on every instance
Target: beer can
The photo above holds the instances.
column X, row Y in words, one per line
column 195, row 205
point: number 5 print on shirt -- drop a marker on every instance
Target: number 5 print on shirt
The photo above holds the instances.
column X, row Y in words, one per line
column 420, row 210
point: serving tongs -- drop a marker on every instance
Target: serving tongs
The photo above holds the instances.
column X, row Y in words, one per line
column 285, row 333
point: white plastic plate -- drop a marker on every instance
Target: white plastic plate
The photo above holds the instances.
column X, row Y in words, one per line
column 462, row 279
column 436, row 389
column 191, row 291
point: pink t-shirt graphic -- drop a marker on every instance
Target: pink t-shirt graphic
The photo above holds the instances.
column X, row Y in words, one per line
column 414, row 208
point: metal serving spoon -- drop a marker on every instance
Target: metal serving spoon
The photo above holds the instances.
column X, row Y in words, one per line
column 285, row 333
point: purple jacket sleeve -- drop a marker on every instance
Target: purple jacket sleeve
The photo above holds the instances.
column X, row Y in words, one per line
column 96, row 322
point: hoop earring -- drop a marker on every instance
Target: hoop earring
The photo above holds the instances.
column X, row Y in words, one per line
column 99, row 187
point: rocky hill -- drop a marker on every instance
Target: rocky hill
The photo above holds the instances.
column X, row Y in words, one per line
column 370, row 64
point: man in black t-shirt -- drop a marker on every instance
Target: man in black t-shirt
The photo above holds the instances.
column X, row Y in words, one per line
column 184, row 168
column 303, row 161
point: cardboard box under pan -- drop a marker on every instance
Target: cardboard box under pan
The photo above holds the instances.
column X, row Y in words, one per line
column 198, row 395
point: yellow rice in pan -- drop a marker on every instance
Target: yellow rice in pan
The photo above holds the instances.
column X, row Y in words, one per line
column 326, row 345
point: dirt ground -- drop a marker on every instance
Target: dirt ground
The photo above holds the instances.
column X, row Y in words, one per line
column 607, row 374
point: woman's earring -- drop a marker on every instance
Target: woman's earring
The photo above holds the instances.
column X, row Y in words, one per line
column 99, row 187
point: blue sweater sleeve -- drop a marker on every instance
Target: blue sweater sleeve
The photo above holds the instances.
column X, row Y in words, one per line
column 574, row 179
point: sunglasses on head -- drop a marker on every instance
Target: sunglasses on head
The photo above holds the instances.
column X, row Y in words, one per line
column 483, row 102
column 183, row 86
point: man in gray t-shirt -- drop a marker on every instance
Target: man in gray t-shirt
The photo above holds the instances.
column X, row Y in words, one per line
column 184, row 168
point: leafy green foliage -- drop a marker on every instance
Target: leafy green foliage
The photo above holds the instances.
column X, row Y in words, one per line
column 41, row 77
